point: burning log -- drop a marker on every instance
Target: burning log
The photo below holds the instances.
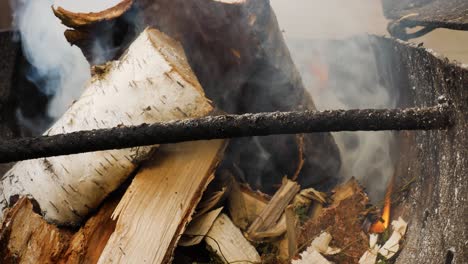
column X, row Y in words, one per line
column 224, row 127
column 152, row 82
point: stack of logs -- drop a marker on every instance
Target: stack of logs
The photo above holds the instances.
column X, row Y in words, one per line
column 138, row 205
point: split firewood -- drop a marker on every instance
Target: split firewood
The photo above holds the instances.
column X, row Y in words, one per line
column 278, row 229
column 151, row 82
column 154, row 212
column 291, row 234
column 227, row 241
column 244, row 204
column 237, row 50
column 319, row 247
column 274, row 209
column 25, row 237
column 198, row 228
column 209, row 201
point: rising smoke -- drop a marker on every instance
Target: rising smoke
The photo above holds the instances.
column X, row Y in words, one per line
column 58, row 69
column 343, row 75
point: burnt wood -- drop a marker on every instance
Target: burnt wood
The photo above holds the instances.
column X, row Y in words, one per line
column 431, row 14
column 226, row 126
column 434, row 164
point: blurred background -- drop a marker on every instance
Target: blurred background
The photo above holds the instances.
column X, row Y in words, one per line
column 299, row 19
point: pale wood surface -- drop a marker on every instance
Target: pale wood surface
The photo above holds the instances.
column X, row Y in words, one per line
column 159, row 203
column 274, row 209
column 227, row 241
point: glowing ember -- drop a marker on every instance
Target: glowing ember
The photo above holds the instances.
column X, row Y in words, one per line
column 381, row 225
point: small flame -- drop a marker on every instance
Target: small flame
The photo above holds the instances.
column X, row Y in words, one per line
column 319, row 69
column 382, row 224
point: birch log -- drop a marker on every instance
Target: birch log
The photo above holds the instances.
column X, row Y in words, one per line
column 151, row 82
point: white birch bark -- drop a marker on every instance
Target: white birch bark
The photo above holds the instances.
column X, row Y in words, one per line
column 151, row 82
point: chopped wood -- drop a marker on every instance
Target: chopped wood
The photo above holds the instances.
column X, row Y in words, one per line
column 88, row 243
column 291, row 234
column 227, row 241
column 275, row 231
column 307, row 196
column 321, row 244
column 343, row 218
column 392, row 246
column 159, row 203
column 311, row 256
column 209, row 202
column 319, row 247
column 245, row 205
column 152, row 82
column 370, row 256
column 198, row 228
column 25, row 237
column 275, row 208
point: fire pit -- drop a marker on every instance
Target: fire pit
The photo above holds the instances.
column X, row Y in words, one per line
column 428, row 187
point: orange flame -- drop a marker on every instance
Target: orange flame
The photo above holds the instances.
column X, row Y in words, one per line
column 319, row 69
column 382, row 224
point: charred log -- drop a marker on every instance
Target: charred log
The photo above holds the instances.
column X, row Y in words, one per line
column 226, row 126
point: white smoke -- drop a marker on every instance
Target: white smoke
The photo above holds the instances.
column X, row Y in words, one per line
column 306, row 23
column 58, row 69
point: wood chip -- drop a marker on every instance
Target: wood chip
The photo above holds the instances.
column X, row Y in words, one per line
column 291, row 234
column 244, row 205
column 198, row 228
column 228, row 242
column 209, row 202
column 391, row 247
column 275, row 208
column 370, row 256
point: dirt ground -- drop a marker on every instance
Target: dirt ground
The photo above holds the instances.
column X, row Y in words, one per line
column 337, row 19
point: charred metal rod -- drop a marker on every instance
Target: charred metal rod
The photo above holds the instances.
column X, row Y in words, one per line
column 226, row 126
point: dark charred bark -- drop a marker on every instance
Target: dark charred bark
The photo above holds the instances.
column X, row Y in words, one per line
column 226, row 126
